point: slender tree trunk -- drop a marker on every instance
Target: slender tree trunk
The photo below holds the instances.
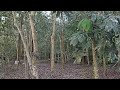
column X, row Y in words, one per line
column 25, row 46
column 62, row 55
column 53, row 43
column 58, row 57
column 3, row 67
column 67, row 51
column 30, row 42
column 25, row 59
column 18, row 46
column 95, row 70
column 46, row 51
column 62, row 49
column 88, row 57
column 65, row 58
column 35, row 47
column 55, row 57
column 118, row 62
column 104, row 62
column 104, row 66
column 62, row 44
column 26, row 67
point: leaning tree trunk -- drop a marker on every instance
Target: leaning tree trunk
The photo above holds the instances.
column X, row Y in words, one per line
column 34, row 38
column 25, row 46
column 20, row 49
column 53, row 43
column 96, row 75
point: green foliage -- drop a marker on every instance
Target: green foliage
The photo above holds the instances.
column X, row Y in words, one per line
column 105, row 26
column 77, row 38
column 85, row 25
column 74, row 39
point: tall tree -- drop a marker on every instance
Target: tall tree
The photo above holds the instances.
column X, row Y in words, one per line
column 34, row 39
column 96, row 75
column 53, row 41
column 25, row 46
column 57, row 14
column 62, row 42
column 87, row 31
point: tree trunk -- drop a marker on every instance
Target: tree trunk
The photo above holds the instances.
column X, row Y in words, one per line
column 118, row 62
column 18, row 46
column 26, row 67
column 35, row 47
column 45, row 51
column 58, row 57
column 88, row 57
column 25, row 59
column 62, row 44
column 30, row 42
column 67, row 59
column 53, row 43
column 62, row 48
column 3, row 67
column 25, row 46
column 104, row 66
column 95, row 70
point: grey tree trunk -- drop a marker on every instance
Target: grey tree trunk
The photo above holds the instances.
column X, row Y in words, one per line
column 88, row 57
column 24, row 44
column 104, row 66
column 35, row 47
column 53, row 43
column 95, row 70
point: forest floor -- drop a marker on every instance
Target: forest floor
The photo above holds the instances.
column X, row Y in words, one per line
column 70, row 71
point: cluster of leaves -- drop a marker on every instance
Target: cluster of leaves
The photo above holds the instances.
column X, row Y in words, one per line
column 105, row 31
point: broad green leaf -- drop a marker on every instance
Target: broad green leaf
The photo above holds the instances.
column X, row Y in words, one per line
column 86, row 25
column 79, row 24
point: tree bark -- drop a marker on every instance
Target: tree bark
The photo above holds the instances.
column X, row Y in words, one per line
column 25, row 59
column 95, row 67
column 25, row 46
column 26, row 67
column 53, row 43
column 104, row 66
column 62, row 49
column 19, row 50
column 67, row 59
column 62, row 44
column 88, row 57
column 35, row 47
